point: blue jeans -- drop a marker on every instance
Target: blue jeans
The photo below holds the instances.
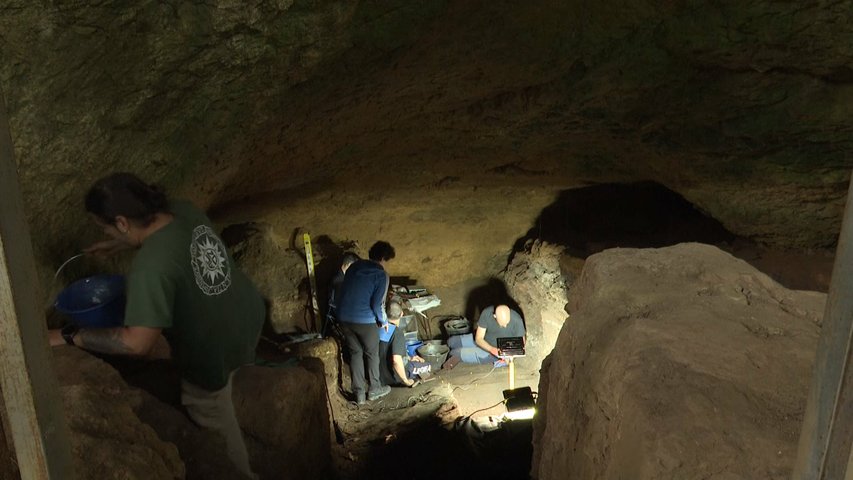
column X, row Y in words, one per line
column 464, row 347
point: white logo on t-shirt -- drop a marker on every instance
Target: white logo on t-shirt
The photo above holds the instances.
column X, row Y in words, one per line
column 210, row 264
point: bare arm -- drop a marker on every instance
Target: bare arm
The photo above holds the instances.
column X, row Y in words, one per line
column 106, row 248
column 480, row 340
column 132, row 341
column 400, row 369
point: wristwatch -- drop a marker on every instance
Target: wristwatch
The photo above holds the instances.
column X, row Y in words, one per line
column 68, row 332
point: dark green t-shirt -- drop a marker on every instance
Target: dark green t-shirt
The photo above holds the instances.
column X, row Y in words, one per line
column 184, row 281
column 515, row 327
column 396, row 345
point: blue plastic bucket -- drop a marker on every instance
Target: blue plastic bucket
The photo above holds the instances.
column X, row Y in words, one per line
column 412, row 348
column 94, row 302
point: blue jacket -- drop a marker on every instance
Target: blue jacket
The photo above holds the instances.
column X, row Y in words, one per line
column 361, row 296
column 334, row 287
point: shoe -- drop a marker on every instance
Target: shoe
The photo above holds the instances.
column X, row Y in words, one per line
column 359, row 398
column 379, row 393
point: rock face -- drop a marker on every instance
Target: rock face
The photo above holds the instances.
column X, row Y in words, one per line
column 107, row 435
column 680, row 362
column 534, row 279
column 178, row 93
column 734, row 106
column 443, row 237
column 285, row 409
column 276, row 270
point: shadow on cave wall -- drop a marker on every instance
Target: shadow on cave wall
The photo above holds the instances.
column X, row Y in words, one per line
column 493, row 292
column 638, row 215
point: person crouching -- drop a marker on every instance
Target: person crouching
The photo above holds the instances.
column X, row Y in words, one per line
column 397, row 368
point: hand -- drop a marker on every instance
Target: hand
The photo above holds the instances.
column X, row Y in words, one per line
column 385, row 326
column 417, row 358
column 412, row 384
column 54, row 337
column 495, row 351
column 105, row 248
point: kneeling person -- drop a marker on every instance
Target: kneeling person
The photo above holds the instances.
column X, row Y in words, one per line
column 396, row 368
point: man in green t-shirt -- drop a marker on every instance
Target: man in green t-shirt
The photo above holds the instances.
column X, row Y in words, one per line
column 183, row 283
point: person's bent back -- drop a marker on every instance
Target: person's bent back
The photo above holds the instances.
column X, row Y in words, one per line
column 362, row 294
column 361, row 306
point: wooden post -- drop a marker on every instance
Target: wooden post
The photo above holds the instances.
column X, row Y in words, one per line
column 827, row 433
column 30, row 390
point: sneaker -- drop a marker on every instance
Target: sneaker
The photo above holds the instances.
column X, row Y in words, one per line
column 359, row 398
column 379, row 393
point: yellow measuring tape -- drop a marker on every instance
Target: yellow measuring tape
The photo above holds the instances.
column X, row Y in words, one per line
column 309, row 260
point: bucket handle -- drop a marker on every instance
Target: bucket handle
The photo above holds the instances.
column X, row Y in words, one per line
column 58, row 270
column 55, row 275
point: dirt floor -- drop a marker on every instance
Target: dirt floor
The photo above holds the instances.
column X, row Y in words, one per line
column 416, row 430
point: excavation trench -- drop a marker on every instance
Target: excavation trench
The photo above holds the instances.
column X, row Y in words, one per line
column 447, row 427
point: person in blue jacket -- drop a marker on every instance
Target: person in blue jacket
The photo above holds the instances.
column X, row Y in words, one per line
column 360, row 309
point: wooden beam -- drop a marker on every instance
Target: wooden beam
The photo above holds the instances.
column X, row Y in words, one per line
column 30, row 389
column 827, row 434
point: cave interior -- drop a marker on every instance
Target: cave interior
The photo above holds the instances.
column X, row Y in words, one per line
column 499, row 146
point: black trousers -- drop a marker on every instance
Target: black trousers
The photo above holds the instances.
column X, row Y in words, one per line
column 363, row 344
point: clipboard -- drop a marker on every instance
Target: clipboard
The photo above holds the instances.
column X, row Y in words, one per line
column 386, row 336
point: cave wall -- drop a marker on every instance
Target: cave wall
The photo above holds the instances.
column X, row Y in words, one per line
column 741, row 108
column 177, row 92
column 449, row 238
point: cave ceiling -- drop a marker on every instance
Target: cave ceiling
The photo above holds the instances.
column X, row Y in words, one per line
column 741, row 107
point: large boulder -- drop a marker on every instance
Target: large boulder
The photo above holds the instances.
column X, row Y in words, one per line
column 285, row 412
column 108, row 440
column 681, row 362
column 122, row 432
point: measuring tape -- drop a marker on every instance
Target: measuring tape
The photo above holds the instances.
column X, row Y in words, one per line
column 309, row 260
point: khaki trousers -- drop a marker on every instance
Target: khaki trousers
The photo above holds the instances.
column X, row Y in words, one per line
column 215, row 411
